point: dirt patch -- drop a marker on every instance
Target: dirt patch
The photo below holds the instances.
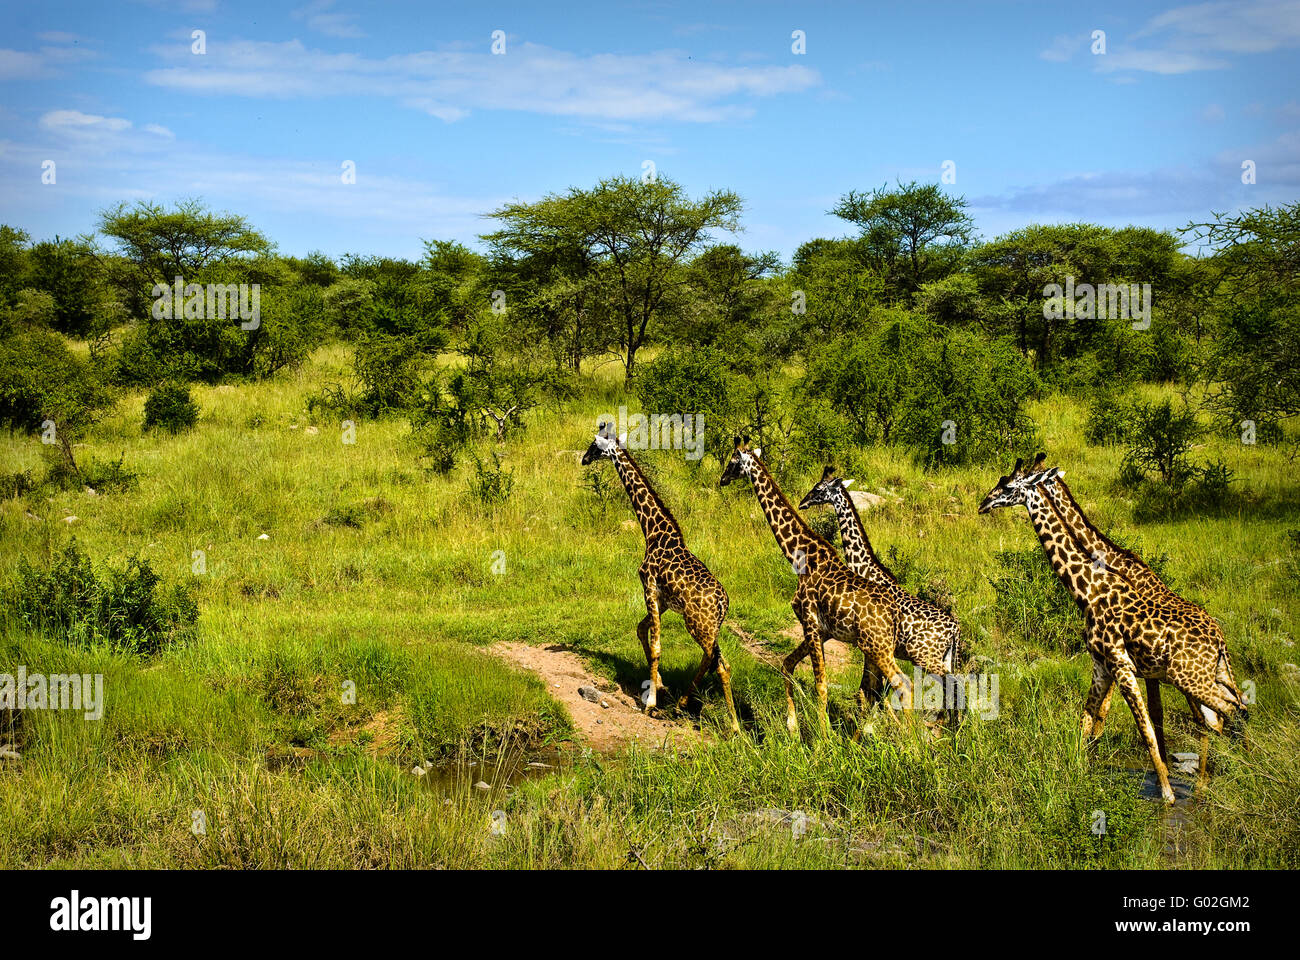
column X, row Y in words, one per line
column 839, row 656
column 602, row 728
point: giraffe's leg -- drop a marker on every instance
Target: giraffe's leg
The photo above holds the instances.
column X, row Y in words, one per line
column 787, row 671
column 1127, row 679
column 705, row 634
column 819, row 682
column 643, row 634
column 724, row 675
column 652, row 608
column 1098, row 702
column 1157, row 711
column 868, row 692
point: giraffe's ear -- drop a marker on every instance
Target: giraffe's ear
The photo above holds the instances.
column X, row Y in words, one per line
column 1019, row 468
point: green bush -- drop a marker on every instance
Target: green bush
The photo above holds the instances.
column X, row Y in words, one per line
column 1109, row 416
column 1159, row 439
column 128, row 610
column 170, row 407
column 1032, row 602
column 491, row 484
column 949, row 395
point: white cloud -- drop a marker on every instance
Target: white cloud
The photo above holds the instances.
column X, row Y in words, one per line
column 1063, row 47
column 449, row 84
column 318, row 17
column 1201, row 36
column 74, row 121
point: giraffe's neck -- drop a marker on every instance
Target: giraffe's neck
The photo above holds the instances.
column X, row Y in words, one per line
column 1072, row 565
column 1095, row 544
column 861, row 559
column 656, row 522
column 806, row 551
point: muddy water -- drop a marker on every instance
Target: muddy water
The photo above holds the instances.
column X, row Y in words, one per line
column 493, row 775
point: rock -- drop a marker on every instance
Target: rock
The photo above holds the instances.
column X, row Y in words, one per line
column 418, row 770
column 265, row 536
column 70, row 520
column 605, row 704
column 1184, row 757
column 91, row 491
column 864, row 500
column 600, row 719
column 7, row 752
column 311, row 431
column 589, row 693
column 538, row 765
column 628, row 524
column 482, row 786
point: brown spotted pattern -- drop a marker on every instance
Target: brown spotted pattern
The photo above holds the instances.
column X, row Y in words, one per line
column 928, row 636
column 1134, row 631
column 830, row 600
column 672, row 577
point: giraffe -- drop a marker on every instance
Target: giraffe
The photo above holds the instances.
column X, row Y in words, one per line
column 1144, row 580
column 672, row 577
column 929, row 636
column 1131, row 633
column 831, row 601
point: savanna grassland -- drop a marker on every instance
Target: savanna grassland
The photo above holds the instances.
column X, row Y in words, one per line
column 376, row 573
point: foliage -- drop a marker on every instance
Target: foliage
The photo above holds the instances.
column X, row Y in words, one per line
column 129, row 610
column 170, row 407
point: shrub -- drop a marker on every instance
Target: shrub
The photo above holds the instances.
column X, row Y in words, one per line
column 950, row 395
column 1109, row 414
column 170, row 407
column 1159, row 440
column 127, row 610
column 491, row 484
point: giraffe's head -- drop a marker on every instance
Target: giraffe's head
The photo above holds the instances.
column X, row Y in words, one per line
column 1011, row 490
column 742, row 462
column 604, row 444
column 828, row 488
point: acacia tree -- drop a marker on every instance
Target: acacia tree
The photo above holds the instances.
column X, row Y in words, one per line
column 158, row 244
column 912, row 233
column 1254, row 370
column 635, row 238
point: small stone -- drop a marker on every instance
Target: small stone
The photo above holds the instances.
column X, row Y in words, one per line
column 311, row 431
column 418, row 770
column 265, row 536
column 600, row 719
column 482, row 786
column 629, row 524
column 1184, row 757
column 605, row 704
column 7, row 752
column 538, row 765
column 589, row 693
column 91, row 491
column 69, row 520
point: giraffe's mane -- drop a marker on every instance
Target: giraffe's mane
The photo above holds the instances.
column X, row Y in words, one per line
column 649, row 487
column 862, row 531
column 1121, row 551
column 800, row 523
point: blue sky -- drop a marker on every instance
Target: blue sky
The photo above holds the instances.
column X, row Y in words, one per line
column 441, row 130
